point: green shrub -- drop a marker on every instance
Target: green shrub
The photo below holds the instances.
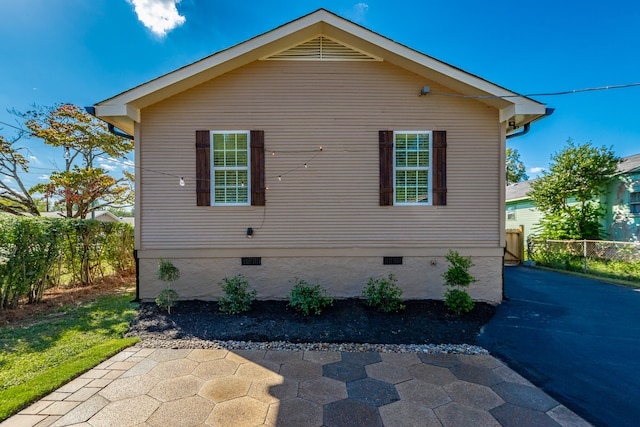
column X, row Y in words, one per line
column 119, row 249
column 167, row 298
column 308, row 299
column 457, row 277
column 38, row 253
column 29, row 250
column 383, row 294
column 237, row 296
column 167, row 272
column 458, row 301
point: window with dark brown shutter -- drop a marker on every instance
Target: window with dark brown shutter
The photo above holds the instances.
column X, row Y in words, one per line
column 258, row 188
column 439, row 164
column 203, row 168
column 409, row 183
column 386, row 167
column 225, row 192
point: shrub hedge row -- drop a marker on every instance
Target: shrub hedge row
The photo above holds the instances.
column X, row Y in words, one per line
column 37, row 253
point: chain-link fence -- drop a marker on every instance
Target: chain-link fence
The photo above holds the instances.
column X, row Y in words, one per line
column 607, row 258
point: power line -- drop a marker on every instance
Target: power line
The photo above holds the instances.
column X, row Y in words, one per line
column 565, row 92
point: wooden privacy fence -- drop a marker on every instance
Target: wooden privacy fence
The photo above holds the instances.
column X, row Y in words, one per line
column 514, row 252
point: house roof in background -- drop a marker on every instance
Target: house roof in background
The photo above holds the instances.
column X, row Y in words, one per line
column 124, row 110
column 97, row 215
column 629, row 164
column 518, row 190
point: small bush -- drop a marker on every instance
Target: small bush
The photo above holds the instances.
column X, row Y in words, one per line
column 458, row 301
column 456, row 278
column 167, row 299
column 308, row 299
column 237, row 296
column 383, row 294
column 167, row 272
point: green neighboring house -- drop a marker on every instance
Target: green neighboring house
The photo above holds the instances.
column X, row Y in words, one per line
column 621, row 201
column 520, row 209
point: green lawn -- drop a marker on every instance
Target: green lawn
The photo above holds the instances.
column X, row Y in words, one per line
column 56, row 347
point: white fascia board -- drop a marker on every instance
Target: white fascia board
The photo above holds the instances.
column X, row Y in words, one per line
column 426, row 61
column 507, row 113
column 189, row 72
column 130, row 102
column 519, row 199
column 115, row 110
column 509, row 107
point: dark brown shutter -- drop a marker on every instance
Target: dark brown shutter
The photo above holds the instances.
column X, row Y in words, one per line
column 258, row 195
column 386, row 167
column 439, row 168
column 203, row 168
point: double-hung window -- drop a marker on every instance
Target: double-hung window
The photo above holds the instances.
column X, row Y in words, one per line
column 230, row 171
column 412, row 167
column 634, row 202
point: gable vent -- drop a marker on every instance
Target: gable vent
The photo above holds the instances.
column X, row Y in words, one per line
column 322, row 49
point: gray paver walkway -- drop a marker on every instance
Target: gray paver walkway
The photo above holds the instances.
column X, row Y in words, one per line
column 164, row 387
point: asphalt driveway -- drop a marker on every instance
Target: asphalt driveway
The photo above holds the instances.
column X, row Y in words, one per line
column 577, row 339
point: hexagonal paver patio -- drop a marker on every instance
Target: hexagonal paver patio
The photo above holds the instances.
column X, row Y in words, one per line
column 217, row 387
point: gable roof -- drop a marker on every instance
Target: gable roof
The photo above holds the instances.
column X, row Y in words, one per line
column 124, row 109
column 518, row 190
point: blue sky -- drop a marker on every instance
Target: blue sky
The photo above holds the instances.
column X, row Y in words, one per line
column 84, row 51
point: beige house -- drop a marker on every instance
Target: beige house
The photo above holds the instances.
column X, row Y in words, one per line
column 323, row 151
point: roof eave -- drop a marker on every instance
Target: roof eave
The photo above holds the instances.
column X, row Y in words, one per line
column 123, row 110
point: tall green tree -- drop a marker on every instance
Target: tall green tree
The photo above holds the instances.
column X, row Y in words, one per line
column 568, row 193
column 516, row 170
column 15, row 198
column 81, row 186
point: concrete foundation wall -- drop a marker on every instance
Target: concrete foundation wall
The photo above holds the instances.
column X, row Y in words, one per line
column 343, row 277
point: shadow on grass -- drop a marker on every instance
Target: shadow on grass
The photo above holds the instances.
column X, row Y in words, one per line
column 54, row 348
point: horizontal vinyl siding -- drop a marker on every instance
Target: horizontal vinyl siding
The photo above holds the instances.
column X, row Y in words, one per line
column 335, row 201
column 526, row 215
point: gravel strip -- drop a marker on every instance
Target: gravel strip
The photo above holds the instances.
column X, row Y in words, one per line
column 196, row 343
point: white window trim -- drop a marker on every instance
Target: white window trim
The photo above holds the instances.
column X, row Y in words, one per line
column 429, row 169
column 214, row 168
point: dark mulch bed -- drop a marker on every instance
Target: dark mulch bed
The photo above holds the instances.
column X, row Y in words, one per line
column 347, row 321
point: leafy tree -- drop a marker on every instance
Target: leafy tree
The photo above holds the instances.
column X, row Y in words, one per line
column 81, row 186
column 14, row 196
column 567, row 193
column 84, row 190
column 515, row 167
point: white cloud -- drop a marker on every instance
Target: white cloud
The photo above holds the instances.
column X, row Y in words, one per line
column 536, row 170
column 160, row 16
column 358, row 12
column 44, row 177
column 8, row 180
column 127, row 164
column 108, row 167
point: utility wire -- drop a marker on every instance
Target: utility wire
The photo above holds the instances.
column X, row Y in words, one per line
column 565, row 92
